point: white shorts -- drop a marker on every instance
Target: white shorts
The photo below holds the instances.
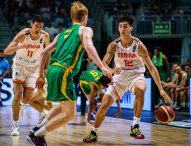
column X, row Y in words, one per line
column 122, row 83
column 100, row 91
column 24, row 74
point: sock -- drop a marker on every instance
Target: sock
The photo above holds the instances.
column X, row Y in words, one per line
column 95, row 129
column 44, row 121
column 136, row 120
column 41, row 132
column 16, row 123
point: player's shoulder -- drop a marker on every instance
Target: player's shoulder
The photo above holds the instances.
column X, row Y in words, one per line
column 115, row 42
column 136, row 40
column 21, row 34
column 85, row 29
column 44, row 33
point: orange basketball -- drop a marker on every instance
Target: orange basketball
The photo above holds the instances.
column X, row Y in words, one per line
column 164, row 114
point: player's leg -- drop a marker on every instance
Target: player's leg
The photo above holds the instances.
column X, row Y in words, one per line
column 18, row 93
column 37, row 102
column 138, row 89
column 61, row 81
column 92, row 101
column 91, row 108
column 68, row 113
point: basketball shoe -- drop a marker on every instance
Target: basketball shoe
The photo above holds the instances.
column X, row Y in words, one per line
column 92, row 137
column 35, row 140
column 136, row 133
column 15, row 131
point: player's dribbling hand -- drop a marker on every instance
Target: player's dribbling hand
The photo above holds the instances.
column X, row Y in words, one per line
column 165, row 96
column 40, row 82
column 106, row 72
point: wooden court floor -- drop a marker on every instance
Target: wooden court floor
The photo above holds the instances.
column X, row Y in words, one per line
column 114, row 132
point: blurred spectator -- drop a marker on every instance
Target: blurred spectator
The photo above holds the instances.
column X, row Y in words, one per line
column 60, row 27
column 4, row 69
column 160, row 61
column 184, row 91
column 51, row 30
column 183, row 83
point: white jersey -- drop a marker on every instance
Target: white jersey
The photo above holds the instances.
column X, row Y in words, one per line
column 128, row 58
column 31, row 55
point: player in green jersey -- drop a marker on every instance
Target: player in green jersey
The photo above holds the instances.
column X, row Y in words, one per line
column 92, row 83
column 64, row 64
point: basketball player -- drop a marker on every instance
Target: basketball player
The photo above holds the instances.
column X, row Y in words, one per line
column 92, row 83
column 130, row 55
column 28, row 45
column 64, row 64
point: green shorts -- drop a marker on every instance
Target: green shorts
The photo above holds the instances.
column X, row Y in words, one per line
column 60, row 84
column 85, row 87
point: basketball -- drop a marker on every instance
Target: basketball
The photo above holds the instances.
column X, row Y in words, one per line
column 164, row 114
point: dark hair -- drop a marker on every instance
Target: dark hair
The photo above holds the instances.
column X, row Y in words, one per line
column 38, row 18
column 104, row 80
column 129, row 19
column 157, row 48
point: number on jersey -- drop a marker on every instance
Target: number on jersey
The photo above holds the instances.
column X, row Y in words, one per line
column 30, row 53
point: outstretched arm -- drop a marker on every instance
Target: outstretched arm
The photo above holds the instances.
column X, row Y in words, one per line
column 87, row 35
column 13, row 46
column 152, row 69
column 108, row 57
column 47, row 52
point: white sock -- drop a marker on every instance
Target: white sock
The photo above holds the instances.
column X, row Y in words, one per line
column 95, row 129
column 16, row 123
column 44, row 121
column 136, row 120
column 41, row 132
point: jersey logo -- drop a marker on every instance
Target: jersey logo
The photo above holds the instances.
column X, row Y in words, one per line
column 127, row 55
column 134, row 48
column 40, row 40
column 66, row 36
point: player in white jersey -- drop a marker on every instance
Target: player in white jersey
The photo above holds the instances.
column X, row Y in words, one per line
column 28, row 45
column 130, row 55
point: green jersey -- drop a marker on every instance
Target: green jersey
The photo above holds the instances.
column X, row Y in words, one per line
column 91, row 75
column 64, row 64
column 69, row 50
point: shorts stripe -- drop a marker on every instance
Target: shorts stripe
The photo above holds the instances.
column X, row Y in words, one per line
column 64, row 84
column 83, row 82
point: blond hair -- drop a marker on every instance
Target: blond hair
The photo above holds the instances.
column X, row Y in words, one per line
column 77, row 11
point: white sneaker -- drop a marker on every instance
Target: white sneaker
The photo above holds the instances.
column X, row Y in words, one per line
column 15, row 131
column 22, row 110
